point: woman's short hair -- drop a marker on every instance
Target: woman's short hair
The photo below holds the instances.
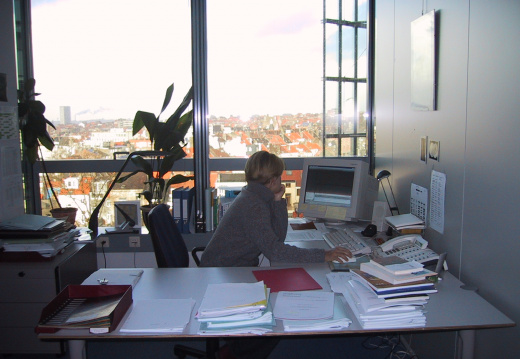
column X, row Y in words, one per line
column 262, row 166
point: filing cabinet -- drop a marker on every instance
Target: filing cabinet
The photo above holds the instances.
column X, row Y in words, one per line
column 27, row 286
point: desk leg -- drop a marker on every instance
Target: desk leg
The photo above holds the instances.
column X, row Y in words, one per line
column 77, row 349
column 466, row 344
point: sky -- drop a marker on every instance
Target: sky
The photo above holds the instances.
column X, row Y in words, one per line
column 109, row 58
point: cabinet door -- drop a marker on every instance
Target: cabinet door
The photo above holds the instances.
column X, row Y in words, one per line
column 75, row 269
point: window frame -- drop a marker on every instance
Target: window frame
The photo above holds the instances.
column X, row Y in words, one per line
column 201, row 164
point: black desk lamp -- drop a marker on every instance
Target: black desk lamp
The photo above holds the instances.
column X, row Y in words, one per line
column 380, row 176
column 127, row 226
column 93, row 222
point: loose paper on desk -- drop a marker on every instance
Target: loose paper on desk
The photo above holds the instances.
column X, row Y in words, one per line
column 295, row 232
column 159, row 316
column 304, row 305
column 114, row 276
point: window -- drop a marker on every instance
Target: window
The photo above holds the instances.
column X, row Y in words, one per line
column 272, row 82
column 264, row 77
column 345, row 72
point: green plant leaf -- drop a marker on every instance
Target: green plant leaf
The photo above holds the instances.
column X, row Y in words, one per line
column 178, row 179
column 185, row 123
column 167, row 99
column 167, row 139
column 46, row 141
column 173, row 120
column 166, row 165
column 146, row 119
column 143, row 164
column 184, row 104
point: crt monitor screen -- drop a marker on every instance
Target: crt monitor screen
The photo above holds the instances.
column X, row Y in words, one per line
column 337, row 189
column 329, row 185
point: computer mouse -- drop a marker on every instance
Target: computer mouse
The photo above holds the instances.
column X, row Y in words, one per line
column 370, row 230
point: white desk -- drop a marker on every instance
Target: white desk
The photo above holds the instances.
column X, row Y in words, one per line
column 452, row 308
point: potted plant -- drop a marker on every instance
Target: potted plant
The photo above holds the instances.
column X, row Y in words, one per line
column 33, row 130
column 167, row 143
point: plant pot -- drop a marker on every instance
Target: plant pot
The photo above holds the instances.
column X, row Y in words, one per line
column 67, row 213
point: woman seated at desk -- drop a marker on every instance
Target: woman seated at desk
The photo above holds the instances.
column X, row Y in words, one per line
column 256, row 223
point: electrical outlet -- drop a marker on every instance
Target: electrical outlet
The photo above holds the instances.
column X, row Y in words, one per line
column 103, row 241
column 134, row 241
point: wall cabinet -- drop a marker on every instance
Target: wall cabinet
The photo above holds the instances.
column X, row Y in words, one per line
column 28, row 286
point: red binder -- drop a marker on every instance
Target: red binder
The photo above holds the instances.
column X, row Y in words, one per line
column 287, row 279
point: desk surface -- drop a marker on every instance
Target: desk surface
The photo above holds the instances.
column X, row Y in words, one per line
column 452, row 308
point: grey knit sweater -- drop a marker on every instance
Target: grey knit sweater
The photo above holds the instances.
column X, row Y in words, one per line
column 254, row 224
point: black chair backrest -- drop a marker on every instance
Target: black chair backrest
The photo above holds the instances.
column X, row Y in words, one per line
column 168, row 244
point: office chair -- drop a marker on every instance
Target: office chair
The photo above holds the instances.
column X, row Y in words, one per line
column 171, row 252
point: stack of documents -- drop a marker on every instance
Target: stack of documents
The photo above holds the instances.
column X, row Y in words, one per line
column 396, row 270
column 406, row 223
column 159, row 316
column 383, row 289
column 377, row 313
column 46, row 247
column 305, row 311
column 235, row 308
column 34, row 233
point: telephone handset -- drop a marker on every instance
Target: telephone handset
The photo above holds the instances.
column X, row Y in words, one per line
column 404, row 240
column 410, row 247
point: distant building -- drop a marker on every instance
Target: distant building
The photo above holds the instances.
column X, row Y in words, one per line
column 65, row 117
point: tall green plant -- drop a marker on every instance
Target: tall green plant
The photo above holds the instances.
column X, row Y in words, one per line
column 33, row 124
column 167, row 138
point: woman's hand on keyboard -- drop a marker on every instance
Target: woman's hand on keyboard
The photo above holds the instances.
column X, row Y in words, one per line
column 339, row 254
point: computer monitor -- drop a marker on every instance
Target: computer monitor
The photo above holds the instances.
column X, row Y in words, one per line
column 337, row 190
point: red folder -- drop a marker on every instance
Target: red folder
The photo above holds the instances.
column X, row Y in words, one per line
column 287, row 279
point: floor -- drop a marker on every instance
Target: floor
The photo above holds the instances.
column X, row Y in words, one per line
column 353, row 347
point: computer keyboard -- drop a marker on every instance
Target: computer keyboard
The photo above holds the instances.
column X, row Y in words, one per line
column 348, row 239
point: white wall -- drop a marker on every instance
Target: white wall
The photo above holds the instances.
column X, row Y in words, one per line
column 477, row 125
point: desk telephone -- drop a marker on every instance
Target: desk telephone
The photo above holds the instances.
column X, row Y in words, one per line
column 409, row 247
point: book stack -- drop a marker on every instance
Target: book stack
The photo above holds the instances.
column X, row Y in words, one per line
column 406, row 224
column 396, row 270
column 386, row 290
column 235, row 308
column 35, row 234
column 373, row 311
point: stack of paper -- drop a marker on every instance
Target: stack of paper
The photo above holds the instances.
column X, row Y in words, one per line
column 159, row 316
column 383, row 289
column 406, row 223
column 310, row 311
column 396, row 270
column 43, row 235
column 235, row 308
column 374, row 312
column 46, row 247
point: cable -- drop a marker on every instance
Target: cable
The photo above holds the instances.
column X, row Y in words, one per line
column 103, row 242
column 398, row 349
